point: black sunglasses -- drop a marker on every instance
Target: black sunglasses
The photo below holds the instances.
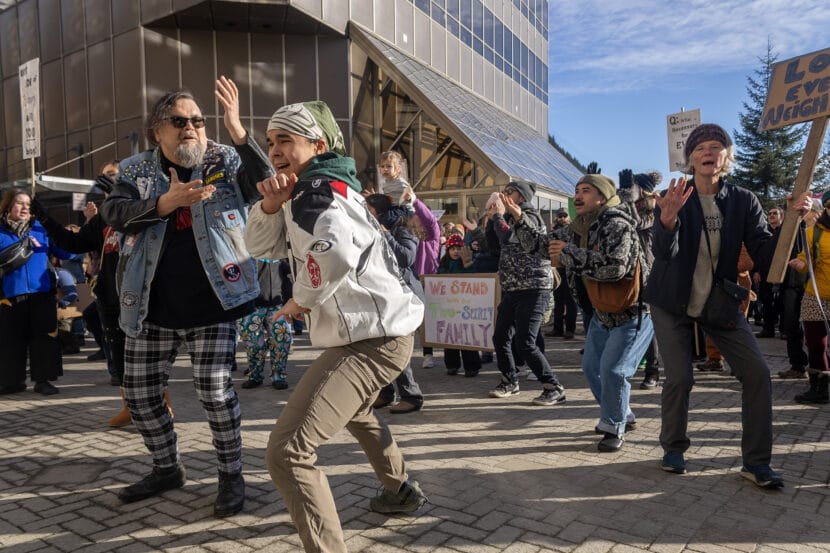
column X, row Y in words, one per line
column 181, row 122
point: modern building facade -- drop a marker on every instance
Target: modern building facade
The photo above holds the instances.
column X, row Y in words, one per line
column 459, row 87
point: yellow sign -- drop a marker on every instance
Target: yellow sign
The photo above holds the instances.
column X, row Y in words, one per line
column 799, row 91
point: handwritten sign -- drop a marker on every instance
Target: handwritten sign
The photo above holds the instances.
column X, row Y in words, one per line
column 29, row 76
column 460, row 310
column 799, row 91
column 679, row 125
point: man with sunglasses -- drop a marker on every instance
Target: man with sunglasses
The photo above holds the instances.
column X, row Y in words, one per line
column 184, row 278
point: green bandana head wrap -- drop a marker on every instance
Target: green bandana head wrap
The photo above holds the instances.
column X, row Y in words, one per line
column 312, row 120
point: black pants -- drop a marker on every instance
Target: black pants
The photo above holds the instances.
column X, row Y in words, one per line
column 564, row 306
column 114, row 339
column 791, row 325
column 25, row 329
column 468, row 359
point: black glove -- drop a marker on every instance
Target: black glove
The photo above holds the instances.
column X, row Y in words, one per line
column 38, row 210
column 626, row 178
column 105, row 183
column 593, row 168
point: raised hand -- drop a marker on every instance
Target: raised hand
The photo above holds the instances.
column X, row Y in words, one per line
column 672, row 202
column 275, row 191
column 182, row 194
column 90, row 210
column 228, row 95
column 511, row 207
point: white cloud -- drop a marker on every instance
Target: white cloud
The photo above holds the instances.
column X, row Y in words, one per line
column 600, row 46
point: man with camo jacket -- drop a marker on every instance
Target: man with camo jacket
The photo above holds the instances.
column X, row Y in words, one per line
column 526, row 283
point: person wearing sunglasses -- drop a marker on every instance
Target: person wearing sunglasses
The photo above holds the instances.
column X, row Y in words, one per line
column 184, row 279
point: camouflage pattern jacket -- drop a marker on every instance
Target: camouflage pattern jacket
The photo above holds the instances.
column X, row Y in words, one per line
column 520, row 268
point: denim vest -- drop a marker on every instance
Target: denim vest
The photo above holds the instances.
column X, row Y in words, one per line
column 218, row 228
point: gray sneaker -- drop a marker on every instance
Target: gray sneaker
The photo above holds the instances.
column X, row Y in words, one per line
column 408, row 499
column 505, row 389
column 550, row 396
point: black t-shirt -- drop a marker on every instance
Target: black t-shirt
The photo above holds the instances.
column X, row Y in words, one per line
column 181, row 295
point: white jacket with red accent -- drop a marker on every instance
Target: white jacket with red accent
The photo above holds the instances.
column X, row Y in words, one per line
column 344, row 270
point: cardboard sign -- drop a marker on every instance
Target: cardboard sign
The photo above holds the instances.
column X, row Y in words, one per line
column 76, row 308
column 460, row 311
column 29, row 74
column 799, row 91
column 679, row 125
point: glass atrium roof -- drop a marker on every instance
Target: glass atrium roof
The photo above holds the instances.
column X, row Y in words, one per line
column 483, row 130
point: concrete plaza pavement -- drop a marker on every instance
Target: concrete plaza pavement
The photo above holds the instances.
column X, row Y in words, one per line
column 501, row 475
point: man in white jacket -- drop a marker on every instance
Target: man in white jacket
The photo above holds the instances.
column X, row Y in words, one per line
column 347, row 280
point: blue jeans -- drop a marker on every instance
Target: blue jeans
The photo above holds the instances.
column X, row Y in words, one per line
column 611, row 358
column 519, row 318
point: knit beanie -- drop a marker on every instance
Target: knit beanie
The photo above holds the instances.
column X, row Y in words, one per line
column 312, row 120
column 454, row 241
column 825, row 197
column 602, row 183
column 647, row 181
column 704, row 132
column 526, row 189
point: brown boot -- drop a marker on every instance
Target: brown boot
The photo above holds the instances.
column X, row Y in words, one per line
column 123, row 417
column 167, row 401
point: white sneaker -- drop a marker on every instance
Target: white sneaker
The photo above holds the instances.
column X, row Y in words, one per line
column 428, row 363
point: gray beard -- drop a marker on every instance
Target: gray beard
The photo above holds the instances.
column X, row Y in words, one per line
column 189, row 155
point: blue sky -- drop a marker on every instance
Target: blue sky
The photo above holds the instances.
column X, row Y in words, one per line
column 617, row 69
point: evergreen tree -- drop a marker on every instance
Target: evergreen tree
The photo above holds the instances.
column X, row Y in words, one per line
column 565, row 153
column 821, row 178
column 766, row 162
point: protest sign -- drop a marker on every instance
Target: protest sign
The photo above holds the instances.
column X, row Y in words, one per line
column 29, row 76
column 799, row 91
column 678, row 126
column 460, row 310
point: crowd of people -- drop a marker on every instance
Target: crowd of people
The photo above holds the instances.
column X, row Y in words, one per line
column 200, row 247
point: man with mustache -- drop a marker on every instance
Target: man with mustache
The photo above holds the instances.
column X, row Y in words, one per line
column 603, row 256
column 184, row 278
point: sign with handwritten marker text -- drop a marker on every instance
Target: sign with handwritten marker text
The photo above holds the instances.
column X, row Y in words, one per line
column 460, row 310
column 799, row 91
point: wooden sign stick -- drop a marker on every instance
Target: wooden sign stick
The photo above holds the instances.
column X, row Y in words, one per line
column 789, row 228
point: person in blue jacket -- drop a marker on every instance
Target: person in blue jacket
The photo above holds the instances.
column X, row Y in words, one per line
column 28, row 314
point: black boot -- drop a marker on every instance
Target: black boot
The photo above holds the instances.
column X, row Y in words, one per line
column 231, row 496
column 818, row 391
column 154, row 483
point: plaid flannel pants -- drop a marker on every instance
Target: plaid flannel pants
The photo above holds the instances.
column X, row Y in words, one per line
column 148, row 359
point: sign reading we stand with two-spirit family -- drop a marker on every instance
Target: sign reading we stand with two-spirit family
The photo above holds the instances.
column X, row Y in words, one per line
column 460, row 310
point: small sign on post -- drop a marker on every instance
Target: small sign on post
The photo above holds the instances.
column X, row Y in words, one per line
column 679, row 125
column 29, row 77
column 29, row 74
column 799, row 91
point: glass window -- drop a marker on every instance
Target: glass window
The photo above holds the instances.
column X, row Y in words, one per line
column 499, row 63
column 478, row 46
column 517, row 51
column 422, row 5
column 488, row 28
column 452, row 8
column 478, row 18
column 466, row 14
column 438, row 14
column 466, row 36
column 508, row 45
column 452, row 26
column 523, row 60
column 488, row 54
column 499, row 36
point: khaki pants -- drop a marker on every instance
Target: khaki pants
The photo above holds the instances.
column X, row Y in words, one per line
column 336, row 391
